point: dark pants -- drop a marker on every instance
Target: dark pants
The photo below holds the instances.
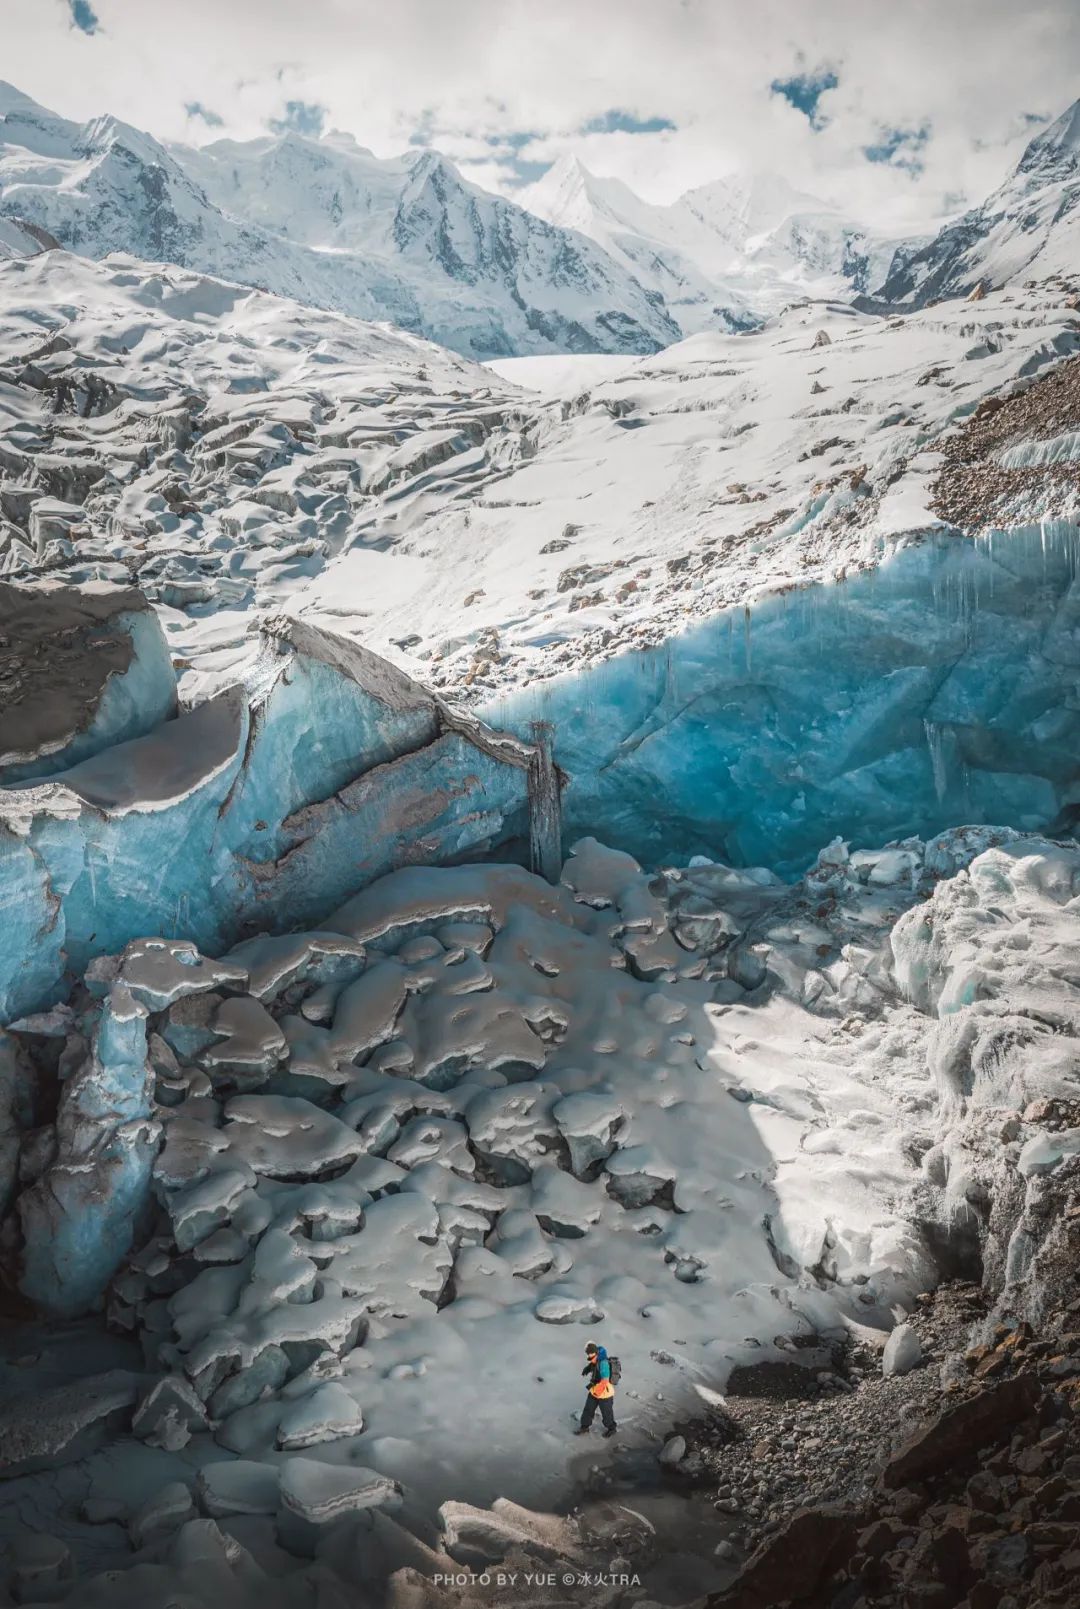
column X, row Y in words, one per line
column 607, row 1411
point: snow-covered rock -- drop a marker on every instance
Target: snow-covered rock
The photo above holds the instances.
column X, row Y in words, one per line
column 316, row 1495
column 902, row 1351
column 18, row 238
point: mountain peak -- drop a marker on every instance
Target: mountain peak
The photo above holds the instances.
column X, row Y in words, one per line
column 428, row 163
column 1057, row 146
column 572, row 196
column 101, row 134
column 754, row 200
column 569, row 166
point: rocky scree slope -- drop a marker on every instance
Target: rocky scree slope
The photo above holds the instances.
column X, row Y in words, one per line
column 971, row 1498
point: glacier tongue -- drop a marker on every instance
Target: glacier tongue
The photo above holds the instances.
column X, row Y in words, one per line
column 340, row 1116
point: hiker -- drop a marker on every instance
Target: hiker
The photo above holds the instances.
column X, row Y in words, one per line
column 602, row 1373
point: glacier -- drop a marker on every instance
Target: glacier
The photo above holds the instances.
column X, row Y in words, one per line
column 510, row 862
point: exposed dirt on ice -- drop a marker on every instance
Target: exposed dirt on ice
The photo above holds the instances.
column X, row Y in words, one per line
column 975, row 487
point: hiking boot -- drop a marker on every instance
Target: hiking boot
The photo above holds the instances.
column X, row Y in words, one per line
column 610, row 1432
column 583, row 1430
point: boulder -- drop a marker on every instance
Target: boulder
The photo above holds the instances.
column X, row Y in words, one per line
column 791, row 1564
column 958, row 1432
column 903, row 1351
column 315, row 1496
column 64, row 1424
column 168, row 1414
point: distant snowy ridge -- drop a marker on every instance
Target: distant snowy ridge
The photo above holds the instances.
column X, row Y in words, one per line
column 1030, row 224
column 724, row 254
column 406, row 240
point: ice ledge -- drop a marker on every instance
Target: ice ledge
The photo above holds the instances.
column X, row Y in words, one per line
column 254, row 811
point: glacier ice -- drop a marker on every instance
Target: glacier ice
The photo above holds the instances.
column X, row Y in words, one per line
column 80, row 1219
column 934, row 689
column 259, row 808
column 706, row 1163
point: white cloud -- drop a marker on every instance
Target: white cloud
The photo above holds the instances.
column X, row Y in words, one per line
column 967, row 69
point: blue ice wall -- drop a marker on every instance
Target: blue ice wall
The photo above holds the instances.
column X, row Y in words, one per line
column 79, row 1220
column 244, row 815
column 942, row 687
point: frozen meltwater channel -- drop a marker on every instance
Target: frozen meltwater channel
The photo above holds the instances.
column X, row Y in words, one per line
column 933, row 689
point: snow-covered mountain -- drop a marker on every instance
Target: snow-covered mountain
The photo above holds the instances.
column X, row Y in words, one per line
column 743, row 246
column 324, row 222
column 581, row 265
column 1030, row 224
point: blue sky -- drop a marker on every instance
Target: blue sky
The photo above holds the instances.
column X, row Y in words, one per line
column 803, row 90
column 83, row 16
column 896, row 113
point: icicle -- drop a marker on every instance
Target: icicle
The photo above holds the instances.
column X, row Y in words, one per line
column 746, row 637
column 545, row 806
column 938, row 764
